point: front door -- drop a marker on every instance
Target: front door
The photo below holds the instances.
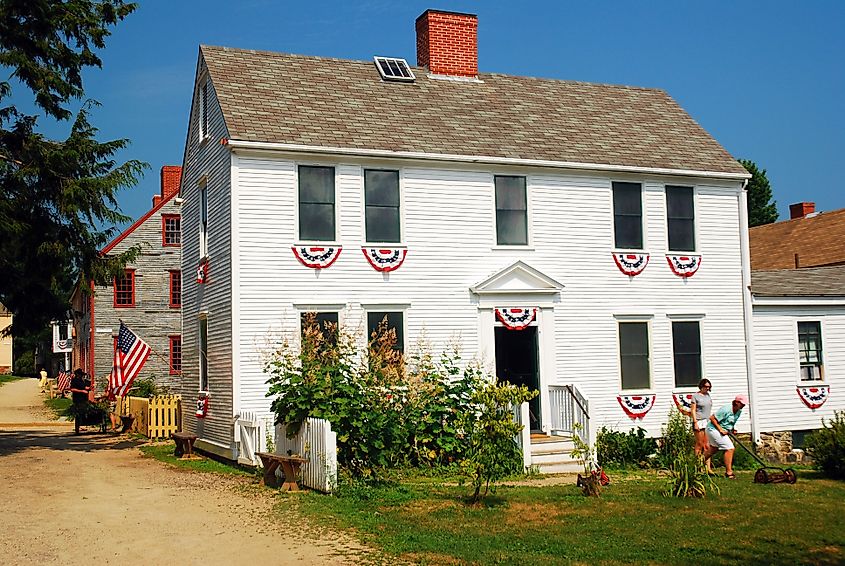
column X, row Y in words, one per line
column 517, row 363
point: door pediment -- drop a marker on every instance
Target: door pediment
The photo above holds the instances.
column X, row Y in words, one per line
column 518, row 282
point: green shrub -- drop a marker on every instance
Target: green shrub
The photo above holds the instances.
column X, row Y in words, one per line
column 827, row 447
column 491, row 453
column 147, row 387
column 614, row 448
column 677, row 440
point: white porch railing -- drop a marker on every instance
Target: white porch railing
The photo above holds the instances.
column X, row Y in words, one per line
column 315, row 442
column 569, row 406
column 523, row 438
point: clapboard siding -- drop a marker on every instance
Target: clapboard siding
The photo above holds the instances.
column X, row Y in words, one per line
column 211, row 160
column 152, row 318
column 449, row 229
column 776, row 365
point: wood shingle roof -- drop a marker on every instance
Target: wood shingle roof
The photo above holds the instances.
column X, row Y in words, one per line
column 817, row 240
column 315, row 101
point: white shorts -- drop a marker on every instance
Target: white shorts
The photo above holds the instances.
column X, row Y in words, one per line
column 702, row 424
column 717, row 440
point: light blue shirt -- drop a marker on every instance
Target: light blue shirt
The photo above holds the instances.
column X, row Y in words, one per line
column 726, row 417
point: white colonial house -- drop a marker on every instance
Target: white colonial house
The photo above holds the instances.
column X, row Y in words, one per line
column 799, row 352
column 587, row 240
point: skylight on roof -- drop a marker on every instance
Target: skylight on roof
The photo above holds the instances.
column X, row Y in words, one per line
column 394, row 69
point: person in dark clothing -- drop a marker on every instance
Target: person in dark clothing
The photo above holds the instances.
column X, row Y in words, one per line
column 79, row 387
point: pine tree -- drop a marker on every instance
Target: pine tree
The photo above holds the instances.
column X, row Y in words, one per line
column 761, row 208
column 55, row 195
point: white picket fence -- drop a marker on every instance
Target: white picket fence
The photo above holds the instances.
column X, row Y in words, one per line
column 251, row 435
column 315, row 442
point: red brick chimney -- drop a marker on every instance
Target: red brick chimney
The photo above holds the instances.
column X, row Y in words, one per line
column 170, row 178
column 447, row 43
column 801, row 209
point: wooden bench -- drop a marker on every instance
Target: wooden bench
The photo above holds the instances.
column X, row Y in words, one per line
column 184, row 444
column 290, row 467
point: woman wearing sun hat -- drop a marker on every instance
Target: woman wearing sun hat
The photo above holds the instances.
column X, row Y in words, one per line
column 721, row 423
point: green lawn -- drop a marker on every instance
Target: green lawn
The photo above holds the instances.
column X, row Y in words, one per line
column 7, row 378
column 163, row 451
column 630, row 523
column 58, row 405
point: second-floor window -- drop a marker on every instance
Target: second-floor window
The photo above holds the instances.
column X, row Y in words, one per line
column 316, row 204
column 203, row 218
column 175, row 289
column 124, row 289
column 175, row 355
column 628, row 216
column 171, row 230
column 203, row 110
column 810, row 350
column 381, row 201
column 680, row 218
column 511, row 211
column 203, row 353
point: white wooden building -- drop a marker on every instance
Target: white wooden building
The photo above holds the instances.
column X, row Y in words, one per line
column 447, row 199
column 799, row 348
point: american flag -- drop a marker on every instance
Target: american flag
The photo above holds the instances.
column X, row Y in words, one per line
column 129, row 357
column 63, row 380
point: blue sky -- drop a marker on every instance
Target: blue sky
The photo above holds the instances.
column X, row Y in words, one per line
column 766, row 79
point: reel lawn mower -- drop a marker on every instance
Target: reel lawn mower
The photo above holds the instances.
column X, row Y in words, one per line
column 768, row 474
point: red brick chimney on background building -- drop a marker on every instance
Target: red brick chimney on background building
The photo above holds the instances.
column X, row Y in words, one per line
column 171, row 175
column 447, row 43
column 801, row 209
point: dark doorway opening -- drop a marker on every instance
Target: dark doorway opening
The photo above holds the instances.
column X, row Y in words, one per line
column 517, row 363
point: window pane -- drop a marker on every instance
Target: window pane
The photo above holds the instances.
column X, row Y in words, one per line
column 627, row 199
column 681, row 235
column 382, row 224
column 679, row 202
column 634, row 362
column 629, row 232
column 510, row 193
column 203, row 354
column 381, row 187
column 394, row 321
column 316, row 222
column 511, row 227
column 316, row 184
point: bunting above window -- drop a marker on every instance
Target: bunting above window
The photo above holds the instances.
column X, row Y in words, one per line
column 516, row 318
column 316, row 257
column 684, row 265
column 683, row 401
column 636, row 406
column 385, row 259
column 631, row 264
column 814, row 396
column 202, row 271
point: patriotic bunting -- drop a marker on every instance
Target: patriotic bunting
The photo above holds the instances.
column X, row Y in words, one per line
column 129, row 357
column 683, row 401
column 316, row 257
column 814, row 396
column 63, row 381
column 684, row 265
column 385, row 259
column 202, row 271
column 631, row 264
column 516, row 318
column 636, row 406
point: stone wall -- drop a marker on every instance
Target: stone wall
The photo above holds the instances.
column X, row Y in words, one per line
column 776, row 447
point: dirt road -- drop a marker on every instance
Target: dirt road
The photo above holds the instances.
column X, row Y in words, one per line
column 93, row 499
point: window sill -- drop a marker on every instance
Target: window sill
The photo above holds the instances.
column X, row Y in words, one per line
column 637, row 392
column 317, row 245
column 628, row 251
column 383, row 245
column 124, row 306
column 514, row 247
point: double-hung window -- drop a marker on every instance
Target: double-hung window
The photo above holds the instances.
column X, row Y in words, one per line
column 171, row 230
column 680, row 218
column 316, row 204
column 175, row 354
column 203, row 218
column 381, row 203
column 203, row 353
column 175, row 289
column 394, row 321
column 203, row 110
column 810, row 350
column 511, row 211
column 634, row 355
column 686, row 349
column 124, row 289
column 628, row 216
column 326, row 323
